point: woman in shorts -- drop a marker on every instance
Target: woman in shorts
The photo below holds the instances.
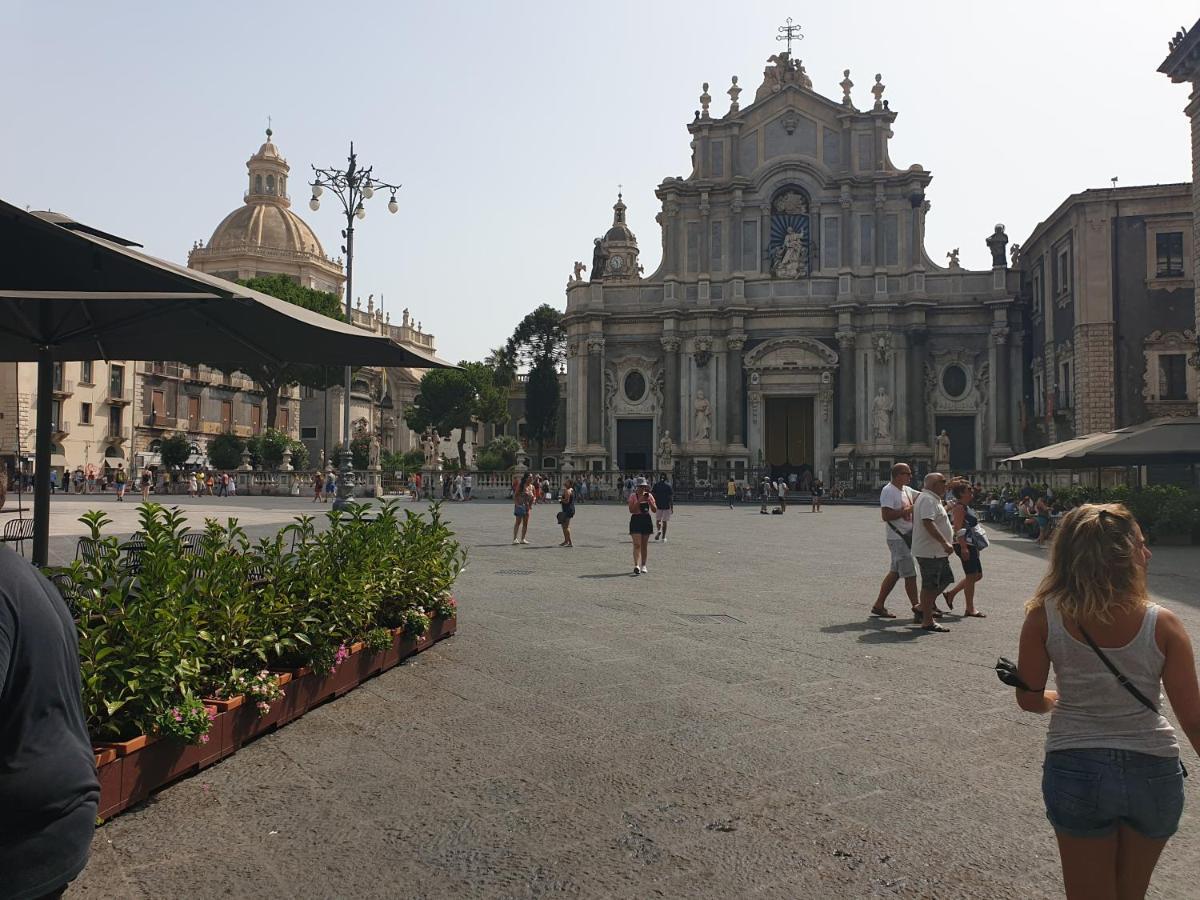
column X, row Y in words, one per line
column 567, row 513
column 523, row 500
column 641, row 524
column 963, row 521
column 1112, row 780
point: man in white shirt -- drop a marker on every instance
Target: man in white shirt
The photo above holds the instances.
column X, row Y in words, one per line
column 931, row 546
column 896, row 509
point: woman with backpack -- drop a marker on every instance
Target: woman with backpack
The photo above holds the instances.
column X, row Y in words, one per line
column 1112, row 779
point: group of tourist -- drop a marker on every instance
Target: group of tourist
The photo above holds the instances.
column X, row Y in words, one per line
column 923, row 530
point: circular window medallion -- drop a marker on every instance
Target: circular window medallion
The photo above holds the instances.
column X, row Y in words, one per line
column 954, row 381
column 635, row 386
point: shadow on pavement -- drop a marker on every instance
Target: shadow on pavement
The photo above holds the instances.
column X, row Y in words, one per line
column 608, row 575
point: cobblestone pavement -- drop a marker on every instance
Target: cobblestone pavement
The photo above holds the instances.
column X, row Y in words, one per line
column 730, row 725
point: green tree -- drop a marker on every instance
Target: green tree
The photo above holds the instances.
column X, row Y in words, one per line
column 539, row 344
column 174, row 450
column 225, row 451
column 271, row 444
column 445, row 400
column 299, row 455
column 273, row 376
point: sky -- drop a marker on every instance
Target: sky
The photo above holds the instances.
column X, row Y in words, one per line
column 510, row 125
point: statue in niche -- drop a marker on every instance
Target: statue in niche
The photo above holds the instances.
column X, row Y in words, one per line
column 666, row 453
column 941, row 452
column 881, row 411
column 703, row 417
column 373, row 452
column 788, row 250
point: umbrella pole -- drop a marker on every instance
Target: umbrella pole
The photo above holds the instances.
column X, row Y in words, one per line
column 41, row 458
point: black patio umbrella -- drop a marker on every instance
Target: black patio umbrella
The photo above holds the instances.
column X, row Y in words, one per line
column 71, row 292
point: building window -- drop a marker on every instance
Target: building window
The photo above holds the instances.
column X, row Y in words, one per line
column 831, row 242
column 114, row 420
column 1168, row 246
column 270, row 184
column 718, row 159
column 750, row 245
column 116, row 382
column 866, row 240
column 85, row 414
column 1062, row 272
column 85, row 372
column 258, row 184
column 891, row 239
column 308, row 433
column 58, row 376
column 1039, row 393
column 1172, row 376
column 1037, row 291
column 693, row 247
column 635, row 386
column 1064, row 386
column 716, row 251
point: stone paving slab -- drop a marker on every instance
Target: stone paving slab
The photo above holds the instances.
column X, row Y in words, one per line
column 581, row 736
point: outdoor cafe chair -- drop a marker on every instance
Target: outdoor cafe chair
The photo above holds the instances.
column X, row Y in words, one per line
column 17, row 531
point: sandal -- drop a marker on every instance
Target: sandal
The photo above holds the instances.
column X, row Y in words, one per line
column 882, row 613
column 935, row 627
column 975, row 615
column 949, row 598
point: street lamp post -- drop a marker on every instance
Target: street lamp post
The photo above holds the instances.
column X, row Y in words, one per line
column 353, row 186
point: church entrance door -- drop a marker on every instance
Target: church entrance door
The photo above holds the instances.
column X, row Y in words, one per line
column 790, row 445
column 961, row 431
column 635, row 444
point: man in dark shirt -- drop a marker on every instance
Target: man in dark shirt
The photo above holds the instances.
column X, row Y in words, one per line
column 48, row 787
column 663, row 492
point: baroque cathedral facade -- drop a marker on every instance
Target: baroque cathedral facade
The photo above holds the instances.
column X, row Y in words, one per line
column 796, row 323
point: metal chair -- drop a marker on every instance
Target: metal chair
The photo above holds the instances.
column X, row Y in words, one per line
column 17, row 531
column 69, row 590
column 85, row 549
column 192, row 543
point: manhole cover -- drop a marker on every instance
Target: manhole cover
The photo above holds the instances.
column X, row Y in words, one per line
column 711, row 618
column 514, row 571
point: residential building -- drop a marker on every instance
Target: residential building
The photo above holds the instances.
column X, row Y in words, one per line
column 1109, row 279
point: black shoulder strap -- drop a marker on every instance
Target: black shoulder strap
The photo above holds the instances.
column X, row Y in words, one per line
column 1125, row 682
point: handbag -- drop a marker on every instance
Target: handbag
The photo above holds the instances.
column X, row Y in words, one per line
column 562, row 517
column 906, row 537
column 1125, row 682
column 979, row 538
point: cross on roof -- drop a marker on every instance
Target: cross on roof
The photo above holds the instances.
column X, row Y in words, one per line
column 789, row 32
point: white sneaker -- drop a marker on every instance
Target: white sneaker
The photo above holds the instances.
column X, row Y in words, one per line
column 524, row 541
column 645, row 571
column 664, row 538
column 515, row 541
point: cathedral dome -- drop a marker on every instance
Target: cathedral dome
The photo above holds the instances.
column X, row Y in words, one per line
column 267, row 225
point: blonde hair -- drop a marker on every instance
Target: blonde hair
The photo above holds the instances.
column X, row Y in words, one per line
column 1093, row 568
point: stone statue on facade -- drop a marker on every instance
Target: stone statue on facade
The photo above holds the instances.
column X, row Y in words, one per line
column 580, row 268
column 953, row 257
column 321, row 461
column 792, row 256
column 703, row 410
column 941, row 451
column 666, row 453
column 373, row 453
column 598, row 259
column 996, row 243
column 428, row 447
column 881, row 411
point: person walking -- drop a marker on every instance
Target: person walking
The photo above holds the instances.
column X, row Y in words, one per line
column 664, row 496
column 641, row 504
column 1112, row 781
column 896, row 509
column 122, row 480
column 193, row 489
column 48, row 787
column 567, row 513
column 764, row 490
column 330, row 486
column 818, row 493
column 145, row 485
column 54, row 481
column 964, row 521
column 318, row 486
column 730, row 491
column 782, row 489
column 931, row 547
column 523, row 500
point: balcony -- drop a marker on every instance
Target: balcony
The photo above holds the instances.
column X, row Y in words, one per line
column 115, row 437
column 63, row 388
column 60, row 430
column 167, row 370
column 117, row 396
column 153, row 420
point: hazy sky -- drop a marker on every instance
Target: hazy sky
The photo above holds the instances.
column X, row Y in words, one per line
column 511, row 124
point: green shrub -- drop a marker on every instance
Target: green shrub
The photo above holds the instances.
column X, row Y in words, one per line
column 225, row 451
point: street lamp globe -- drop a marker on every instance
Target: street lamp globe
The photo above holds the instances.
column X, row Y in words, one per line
column 368, row 192
column 361, row 212
column 393, row 205
column 314, row 204
column 317, row 190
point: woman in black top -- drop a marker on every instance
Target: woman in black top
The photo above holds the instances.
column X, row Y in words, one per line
column 641, row 525
column 567, row 513
column 964, row 521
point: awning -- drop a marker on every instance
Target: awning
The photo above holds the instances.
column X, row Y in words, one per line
column 196, row 459
column 1157, row 442
column 150, row 459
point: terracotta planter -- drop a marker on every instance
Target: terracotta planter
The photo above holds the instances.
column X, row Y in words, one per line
column 150, row 763
column 109, row 769
column 225, row 705
column 442, row 627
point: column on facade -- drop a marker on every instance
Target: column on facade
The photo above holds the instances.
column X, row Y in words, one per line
column 918, row 432
column 735, row 417
column 1003, row 381
column 670, row 347
column 595, row 390
column 848, row 400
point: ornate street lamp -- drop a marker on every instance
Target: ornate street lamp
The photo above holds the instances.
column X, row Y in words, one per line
column 352, row 186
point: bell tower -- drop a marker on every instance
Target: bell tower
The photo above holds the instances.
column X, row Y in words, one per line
column 620, row 248
column 268, row 174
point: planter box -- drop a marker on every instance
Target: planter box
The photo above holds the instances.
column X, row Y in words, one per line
column 109, row 769
column 440, row 627
column 151, row 763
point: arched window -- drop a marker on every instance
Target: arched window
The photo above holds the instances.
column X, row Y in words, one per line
column 258, row 184
column 270, row 184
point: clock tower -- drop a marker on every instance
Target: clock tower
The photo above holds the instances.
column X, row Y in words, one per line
column 619, row 248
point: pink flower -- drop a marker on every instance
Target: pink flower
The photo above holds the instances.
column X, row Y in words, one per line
column 204, row 738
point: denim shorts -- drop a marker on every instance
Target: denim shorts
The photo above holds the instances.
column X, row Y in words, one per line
column 1089, row 792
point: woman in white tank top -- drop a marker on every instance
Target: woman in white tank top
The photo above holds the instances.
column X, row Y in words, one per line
column 1112, row 779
